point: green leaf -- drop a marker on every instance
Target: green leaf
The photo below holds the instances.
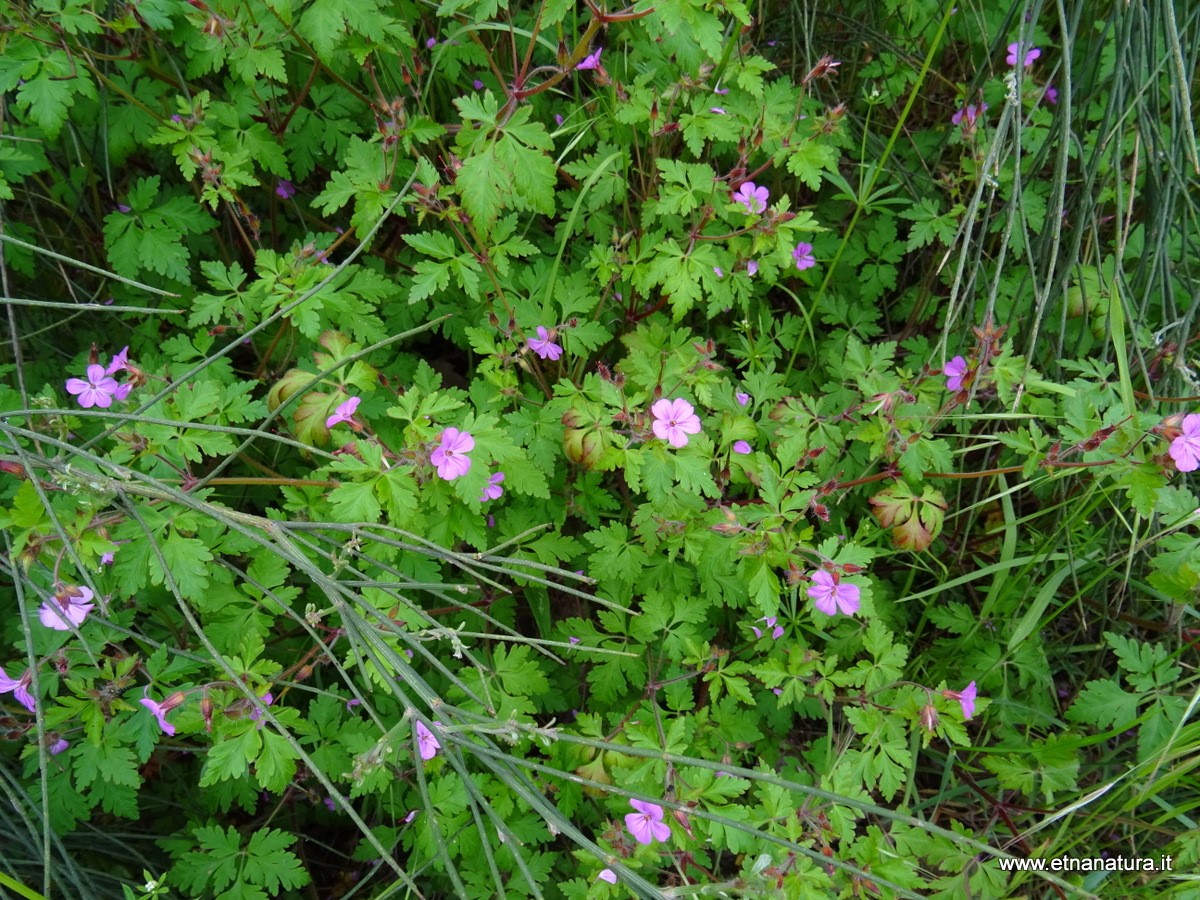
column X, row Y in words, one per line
column 187, row 560
column 276, row 764
column 230, row 758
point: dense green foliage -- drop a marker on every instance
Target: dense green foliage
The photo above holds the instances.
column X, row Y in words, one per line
column 701, row 447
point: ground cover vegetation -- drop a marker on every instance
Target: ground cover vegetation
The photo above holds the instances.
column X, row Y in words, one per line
column 549, row 449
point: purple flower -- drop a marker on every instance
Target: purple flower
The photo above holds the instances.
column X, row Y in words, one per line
column 427, row 744
column 970, row 114
column 721, row 91
column 450, row 456
column 718, row 111
column 543, row 345
column 493, row 489
column 718, row 271
column 285, row 189
column 119, row 363
column 966, row 699
column 98, row 390
column 18, row 687
column 674, row 420
column 1014, row 53
column 592, row 60
column 344, row 412
column 955, row 372
column 430, row 43
column 752, row 268
column 411, row 815
column 106, row 559
column 330, row 804
column 59, row 746
column 830, row 596
column 256, row 713
column 607, row 875
column 803, row 256
column 647, row 825
column 69, row 607
column 742, row 447
column 160, row 710
column 1185, row 449
column 477, row 84
column 753, row 197
column 121, row 207
column 742, row 398
column 776, row 630
column 572, row 640
column 558, row 119
column 1051, row 94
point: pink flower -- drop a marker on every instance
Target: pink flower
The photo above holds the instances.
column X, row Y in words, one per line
column 752, row 268
column 69, row 607
column 742, row 398
column 256, row 714
column 777, row 630
column 803, row 256
column 830, row 596
column 970, row 113
column 607, row 875
column 647, row 825
column 427, row 744
column 59, row 746
column 430, row 43
column 98, row 390
column 742, row 447
column 718, row 271
column 592, row 60
column 412, row 814
column 450, row 456
column 1014, row 52
column 493, row 489
column 344, row 412
column 674, row 420
column 753, row 197
column 955, row 371
column 717, row 110
column 1185, row 449
column 160, row 710
column 18, row 687
column 285, row 189
column 966, row 699
column 1051, row 94
column 543, row 345
column 119, row 362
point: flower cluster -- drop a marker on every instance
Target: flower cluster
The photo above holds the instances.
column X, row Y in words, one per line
column 99, row 388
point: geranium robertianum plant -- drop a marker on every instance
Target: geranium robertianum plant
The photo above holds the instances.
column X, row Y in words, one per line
column 562, row 450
